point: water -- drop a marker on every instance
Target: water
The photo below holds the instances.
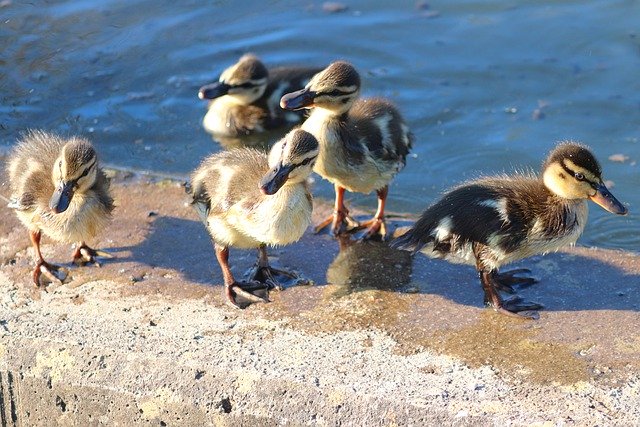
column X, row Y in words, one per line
column 126, row 74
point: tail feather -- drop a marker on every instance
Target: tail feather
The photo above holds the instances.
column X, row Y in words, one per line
column 199, row 200
column 408, row 242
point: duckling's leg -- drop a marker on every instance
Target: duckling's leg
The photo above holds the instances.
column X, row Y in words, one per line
column 43, row 267
column 84, row 255
column 233, row 288
column 264, row 273
column 492, row 298
column 340, row 220
column 376, row 225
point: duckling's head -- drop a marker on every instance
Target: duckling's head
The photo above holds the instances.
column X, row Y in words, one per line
column 244, row 82
column 291, row 161
column 74, row 171
column 334, row 89
column 572, row 172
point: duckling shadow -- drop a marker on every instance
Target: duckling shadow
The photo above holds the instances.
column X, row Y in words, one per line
column 177, row 244
column 566, row 281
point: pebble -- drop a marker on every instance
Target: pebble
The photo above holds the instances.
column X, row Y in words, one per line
column 334, row 7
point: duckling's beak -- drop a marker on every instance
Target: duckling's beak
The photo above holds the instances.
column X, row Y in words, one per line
column 275, row 179
column 605, row 199
column 213, row 90
column 61, row 197
column 298, row 100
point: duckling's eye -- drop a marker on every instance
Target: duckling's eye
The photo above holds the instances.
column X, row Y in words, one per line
column 306, row 161
column 579, row 176
column 246, row 85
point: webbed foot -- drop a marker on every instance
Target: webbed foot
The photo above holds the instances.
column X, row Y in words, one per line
column 84, row 255
column 269, row 276
column 341, row 222
column 242, row 294
column 507, row 280
column 376, row 228
column 54, row 273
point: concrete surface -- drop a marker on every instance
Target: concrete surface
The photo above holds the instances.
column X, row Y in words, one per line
column 147, row 339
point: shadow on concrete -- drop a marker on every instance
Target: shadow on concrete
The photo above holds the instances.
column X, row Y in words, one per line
column 580, row 280
column 178, row 244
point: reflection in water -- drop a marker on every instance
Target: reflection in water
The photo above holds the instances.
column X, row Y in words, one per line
column 368, row 265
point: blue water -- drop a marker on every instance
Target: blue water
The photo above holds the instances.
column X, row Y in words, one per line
column 126, row 74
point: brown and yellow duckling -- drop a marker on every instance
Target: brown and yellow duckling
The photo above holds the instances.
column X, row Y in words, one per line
column 492, row 221
column 245, row 99
column 363, row 142
column 248, row 199
column 57, row 188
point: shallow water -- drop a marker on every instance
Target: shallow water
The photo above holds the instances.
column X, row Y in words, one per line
column 468, row 76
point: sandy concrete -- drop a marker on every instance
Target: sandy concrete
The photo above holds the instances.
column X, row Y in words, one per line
column 148, row 339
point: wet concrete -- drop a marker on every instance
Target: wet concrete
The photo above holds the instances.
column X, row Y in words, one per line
column 378, row 340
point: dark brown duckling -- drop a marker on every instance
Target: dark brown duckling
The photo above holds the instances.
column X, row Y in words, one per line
column 493, row 221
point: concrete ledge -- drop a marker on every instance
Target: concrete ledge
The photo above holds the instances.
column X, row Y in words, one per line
column 147, row 338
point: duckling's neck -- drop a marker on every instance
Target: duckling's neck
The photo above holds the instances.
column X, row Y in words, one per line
column 562, row 217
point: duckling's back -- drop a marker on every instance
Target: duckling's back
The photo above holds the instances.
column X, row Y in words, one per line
column 30, row 165
column 227, row 178
column 499, row 212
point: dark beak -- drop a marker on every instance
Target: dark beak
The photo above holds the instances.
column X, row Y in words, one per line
column 213, row 90
column 61, row 197
column 275, row 179
column 298, row 100
column 605, row 199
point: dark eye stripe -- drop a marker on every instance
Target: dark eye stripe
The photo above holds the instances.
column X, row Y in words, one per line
column 335, row 92
column 86, row 171
column 303, row 163
column 572, row 173
column 246, row 85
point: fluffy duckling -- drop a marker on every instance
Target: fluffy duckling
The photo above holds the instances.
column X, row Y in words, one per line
column 249, row 200
column 492, row 221
column 58, row 188
column 245, row 99
column 363, row 142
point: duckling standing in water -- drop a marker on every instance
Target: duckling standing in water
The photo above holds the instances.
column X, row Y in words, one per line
column 363, row 142
column 58, row 188
column 250, row 200
column 245, row 99
column 492, row 221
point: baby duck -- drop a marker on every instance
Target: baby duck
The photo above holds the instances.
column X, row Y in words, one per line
column 363, row 142
column 248, row 199
column 492, row 221
column 245, row 99
column 58, row 188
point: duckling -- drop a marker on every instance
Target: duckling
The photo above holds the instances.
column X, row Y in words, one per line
column 363, row 142
column 492, row 221
column 248, row 199
column 58, row 188
column 245, row 99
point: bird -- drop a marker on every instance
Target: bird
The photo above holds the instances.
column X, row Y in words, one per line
column 363, row 142
column 250, row 199
column 495, row 220
column 245, row 99
column 59, row 189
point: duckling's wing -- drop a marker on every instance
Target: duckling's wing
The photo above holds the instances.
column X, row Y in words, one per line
column 470, row 213
column 381, row 130
column 228, row 181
